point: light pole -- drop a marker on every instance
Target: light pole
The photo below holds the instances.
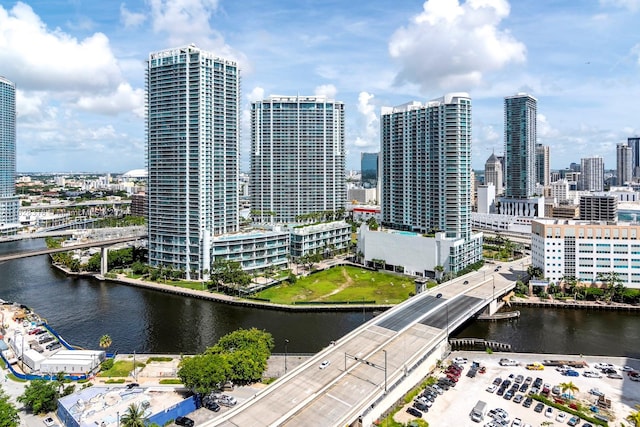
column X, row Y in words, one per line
column 385, row 370
column 447, row 307
column 286, row 342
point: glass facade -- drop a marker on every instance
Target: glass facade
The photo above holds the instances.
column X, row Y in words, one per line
column 192, row 131
column 9, row 204
column 369, row 169
column 297, row 158
column 520, row 145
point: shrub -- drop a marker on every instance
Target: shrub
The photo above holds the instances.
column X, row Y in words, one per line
column 107, row 364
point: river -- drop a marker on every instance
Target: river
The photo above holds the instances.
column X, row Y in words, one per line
column 84, row 309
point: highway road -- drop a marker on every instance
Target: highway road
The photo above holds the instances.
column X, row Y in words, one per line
column 399, row 339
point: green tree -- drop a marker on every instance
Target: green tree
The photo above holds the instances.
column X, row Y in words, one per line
column 8, row 412
column 105, row 341
column 570, row 386
column 40, row 396
column 634, row 417
column 204, row 373
column 133, row 417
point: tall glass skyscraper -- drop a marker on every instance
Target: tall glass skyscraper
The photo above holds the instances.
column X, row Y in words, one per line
column 369, row 169
column 520, row 145
column 426, row 166
column 297, row 157
column 9, row 221
column 192, row 126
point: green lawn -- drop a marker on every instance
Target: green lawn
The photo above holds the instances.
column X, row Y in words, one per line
column 344, row 283
column 121, row 368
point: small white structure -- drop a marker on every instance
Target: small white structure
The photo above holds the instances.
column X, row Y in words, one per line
column 33, row 359
column 72, row 362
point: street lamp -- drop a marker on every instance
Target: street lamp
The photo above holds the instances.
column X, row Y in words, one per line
column 286, row 342
column 385, row 370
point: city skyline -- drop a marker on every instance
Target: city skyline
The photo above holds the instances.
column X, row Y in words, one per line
column 79, row 69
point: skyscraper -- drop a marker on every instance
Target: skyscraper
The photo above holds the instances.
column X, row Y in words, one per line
column 634, row 143
column 9, row 205
column 493, row 173
column 519, row 145
column 592, row 175
column 297, row 157
column 192, row 127
column 624, row 164
column 426, row 166
column 543, row 170
column 369, row 169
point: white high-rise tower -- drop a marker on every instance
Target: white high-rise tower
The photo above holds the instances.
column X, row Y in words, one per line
column 9, row 203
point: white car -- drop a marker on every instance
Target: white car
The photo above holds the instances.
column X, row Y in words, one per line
column 591, row 374
column 460, row 360
column 626, row 368
column 549, row 412
column 561, row 417
column 48, row 422
column 508, row 362
column 492, row 388
column 604, row 366
column 517, row 422
column 324, row 364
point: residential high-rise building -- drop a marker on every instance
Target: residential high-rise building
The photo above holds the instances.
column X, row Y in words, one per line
column 592, row 174
column 369, row 169
column 426, row 166
column 520, row 145
column 192, row 127
column 493, row 173
column 9, row 220
column 297, row 157
column 634, row 143
column 624, row 164
column 543, row 170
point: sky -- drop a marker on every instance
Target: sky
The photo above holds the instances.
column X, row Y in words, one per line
column 79, row 68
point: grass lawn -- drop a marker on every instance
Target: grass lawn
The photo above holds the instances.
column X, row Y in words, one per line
column 343, row 283
column 121, row 368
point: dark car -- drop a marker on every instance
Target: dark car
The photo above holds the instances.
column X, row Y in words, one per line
column 523, row 387
column 132, row 385
column 500, row 391
column 211, row 405
column 508, row 395
column 421, row 406
column 414, row 412
column 497, row 381
column 527, row 402
column 439, row 295
column 539, row 407
column 466, row 282
column 184, row 421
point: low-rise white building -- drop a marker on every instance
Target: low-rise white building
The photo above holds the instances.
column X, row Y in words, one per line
column 255, row 250
column 331, row 236
column 581, row 249
column 416, row 254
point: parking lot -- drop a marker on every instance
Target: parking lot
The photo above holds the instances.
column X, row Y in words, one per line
column 454, row 406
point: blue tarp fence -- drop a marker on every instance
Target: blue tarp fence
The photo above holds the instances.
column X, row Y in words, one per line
column 179, row 409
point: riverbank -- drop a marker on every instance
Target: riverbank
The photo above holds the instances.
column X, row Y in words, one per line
column 574, row 304
column 226, row 299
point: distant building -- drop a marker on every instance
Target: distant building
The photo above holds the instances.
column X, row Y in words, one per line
column 634, row 143
column 297, row 157
column 599, row 208
column 542, row 165
column 624, row 164
column 9, row 202
column 139, row 205
column 363, row 195
column 493, row 173
column 520, row 145
column 581, row 249
column 192, row 127
column 565, row 211
column 369, row 169
column 592, row 174
column 486, row 198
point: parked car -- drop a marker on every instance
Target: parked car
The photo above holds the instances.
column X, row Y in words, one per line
column 561, row 417
column 615, row 376
column 508, row 362
column 519, row 379
column 603, row 366
column 497, row 381
column 518, row 398
column 184, row 421
column 596, row 392
column 626, row 368
column 573, row 421
column 539, row 407
column 492, row 388
column 549, row 412
column 527, row 402
column 535, row 366
column 132, row 385
column 571, row 373
column 523, row 387
column 49, row 422
column 460, row 360
column 413, row 411
column 591, row 374
column 324, row 364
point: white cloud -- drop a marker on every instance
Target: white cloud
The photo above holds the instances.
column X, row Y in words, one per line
column 256, row 94
column 125, row 98
column 545, row 130
column 131, row 19
column 39, row 58
column 452, row 46
column 329, row 91
column 632, row 5
column 371, row 124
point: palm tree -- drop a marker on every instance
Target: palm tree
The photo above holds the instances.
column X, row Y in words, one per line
column 134, row 417
column 569, row 386
column 105, row 341
column 634, row 417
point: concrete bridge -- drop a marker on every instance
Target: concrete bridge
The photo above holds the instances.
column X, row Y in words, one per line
column 97, row 243
column 375, row 365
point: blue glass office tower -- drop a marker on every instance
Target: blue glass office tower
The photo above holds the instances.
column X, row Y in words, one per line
column 9, row 221
column 192, row 126
column 369, row 169
column 520, row 145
